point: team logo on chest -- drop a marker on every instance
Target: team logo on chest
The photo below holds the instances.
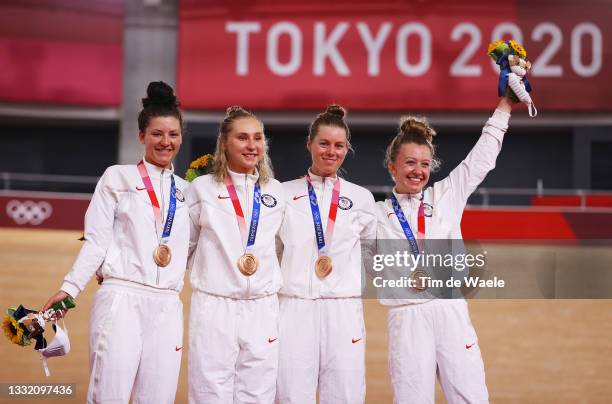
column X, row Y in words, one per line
column 427, row 210
column 345, row 203
column 268, row 200
column 179, row 195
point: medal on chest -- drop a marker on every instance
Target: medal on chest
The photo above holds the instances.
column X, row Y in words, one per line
column 247, row 263
column 324, row 264
column 162, row 255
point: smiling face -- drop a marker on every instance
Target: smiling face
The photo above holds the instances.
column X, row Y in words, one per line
column 411, row 168
column 162, row 139
column 328, row 149
column 245, row 145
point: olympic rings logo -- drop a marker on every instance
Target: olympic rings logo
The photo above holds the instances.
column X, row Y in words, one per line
column 28, row 212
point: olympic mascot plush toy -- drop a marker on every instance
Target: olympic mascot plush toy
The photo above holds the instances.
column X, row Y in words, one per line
column 513, row 65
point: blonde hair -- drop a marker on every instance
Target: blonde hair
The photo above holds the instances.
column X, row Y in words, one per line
column 221, row 165
column 417, row 130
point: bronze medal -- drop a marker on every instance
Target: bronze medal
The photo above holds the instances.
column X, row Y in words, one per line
column 162, row 255
column 420, row 278
column 247, row 264
column 323, row 266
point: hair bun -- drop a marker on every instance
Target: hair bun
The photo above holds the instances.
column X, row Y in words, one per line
column 417, row 126
column 160, row 93
column 337, row 110
column 234, row 110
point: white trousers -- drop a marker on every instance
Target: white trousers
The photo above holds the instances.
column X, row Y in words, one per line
column 322, row 342
column 135, row 344
column 233, row 349
column 436, row 337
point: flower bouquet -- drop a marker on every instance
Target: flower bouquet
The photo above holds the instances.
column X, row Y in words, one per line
column 511, row 58
column 200, row 166
column 21, row 325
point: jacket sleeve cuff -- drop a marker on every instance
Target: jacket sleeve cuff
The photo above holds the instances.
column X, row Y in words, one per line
column 71, row 289
column 499, row 120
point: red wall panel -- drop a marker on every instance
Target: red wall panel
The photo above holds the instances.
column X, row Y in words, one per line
column 62, row 52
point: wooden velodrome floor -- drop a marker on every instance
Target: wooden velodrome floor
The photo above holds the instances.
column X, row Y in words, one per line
column 535, row 351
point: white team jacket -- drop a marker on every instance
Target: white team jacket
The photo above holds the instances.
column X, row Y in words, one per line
column 120, row 233
column 447, row 197
column 216, row 243
column 355, row 220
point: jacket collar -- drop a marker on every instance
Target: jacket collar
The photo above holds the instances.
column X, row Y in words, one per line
column 156, row 171
column 319, row 180
column 238, row 178
column 408, row 197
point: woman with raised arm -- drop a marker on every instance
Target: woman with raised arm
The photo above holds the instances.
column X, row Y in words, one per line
column 322, row 332
column 235, row 212
column 429, row 336
column 137, row 238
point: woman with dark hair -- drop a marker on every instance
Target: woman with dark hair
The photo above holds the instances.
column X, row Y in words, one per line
column 235, row 214
column 431, row 336
column 136, row 239
column 322, row 332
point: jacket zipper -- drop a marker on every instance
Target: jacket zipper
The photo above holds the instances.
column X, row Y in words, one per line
column 163, row 203
column 246, row 193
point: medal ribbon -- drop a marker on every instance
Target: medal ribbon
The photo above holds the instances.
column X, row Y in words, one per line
column 231, row 190
column 399, row 213
column 155, row 203
column 316, row 215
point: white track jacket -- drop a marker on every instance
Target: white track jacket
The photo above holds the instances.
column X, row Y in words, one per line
column 447, row 197
column 355, row 221
column 216, row 243
column 120, row 233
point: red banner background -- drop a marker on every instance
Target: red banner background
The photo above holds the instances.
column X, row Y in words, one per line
column 431, row 56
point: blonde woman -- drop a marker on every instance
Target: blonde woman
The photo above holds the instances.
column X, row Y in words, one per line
column 235, row 212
